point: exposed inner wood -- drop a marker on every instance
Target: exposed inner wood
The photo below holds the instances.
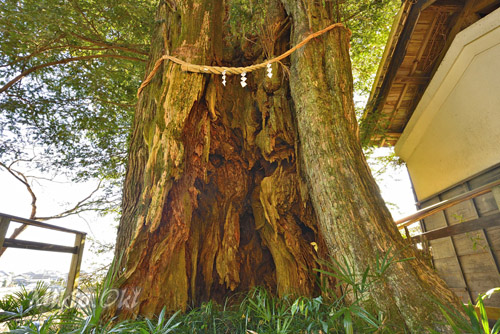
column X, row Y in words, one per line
column 223, row 206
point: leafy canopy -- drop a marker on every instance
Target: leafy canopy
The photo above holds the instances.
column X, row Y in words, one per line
column 81, row 62
column 87, row 58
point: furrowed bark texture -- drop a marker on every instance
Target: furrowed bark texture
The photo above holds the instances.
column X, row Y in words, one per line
column 351, row 213
column 213, row 202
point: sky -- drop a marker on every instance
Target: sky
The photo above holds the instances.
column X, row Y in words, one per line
column 52, row 198
column 395, row 187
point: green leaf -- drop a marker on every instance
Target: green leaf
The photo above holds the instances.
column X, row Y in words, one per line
column 363, row 314
column 348, row 326
column 496, row 327
column 484, row 316
column 450, row 321
column 473, row 318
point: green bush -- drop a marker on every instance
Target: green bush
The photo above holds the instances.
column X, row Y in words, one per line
column 257, row 311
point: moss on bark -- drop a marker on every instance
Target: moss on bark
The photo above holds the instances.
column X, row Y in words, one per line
column 215, row 199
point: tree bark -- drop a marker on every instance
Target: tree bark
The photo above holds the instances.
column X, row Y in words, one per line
column 351, row 213
column 213, row 202
column 230, row 187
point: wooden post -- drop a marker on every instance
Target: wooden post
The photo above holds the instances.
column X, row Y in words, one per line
column 74, row 271
column 4, row 226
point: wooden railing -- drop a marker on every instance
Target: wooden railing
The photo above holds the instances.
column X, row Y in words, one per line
column 480, row 223
column 76, row 250
column 469, row 226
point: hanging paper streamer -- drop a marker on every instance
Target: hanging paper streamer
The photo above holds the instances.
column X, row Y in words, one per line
column 243, row 79
column 194, row 68
column 269, row 71
column 224, row 77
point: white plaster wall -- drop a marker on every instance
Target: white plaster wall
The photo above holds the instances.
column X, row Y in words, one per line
column 454, row 132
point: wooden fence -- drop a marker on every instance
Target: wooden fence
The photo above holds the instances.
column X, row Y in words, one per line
column 430, row 210
column 76, row 250
column 463, row 269
column 469, row 226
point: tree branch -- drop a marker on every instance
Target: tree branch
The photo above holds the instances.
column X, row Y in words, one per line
column 123, row 105
column 21, row 178
column 64, row 61
column 40, row 50
column 73, row 210
column 127, row 48
column 104, row 47
column 85, row 18
column 79, row 207
column 90, row 99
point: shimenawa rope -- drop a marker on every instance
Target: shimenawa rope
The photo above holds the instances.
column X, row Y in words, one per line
column 188, row 67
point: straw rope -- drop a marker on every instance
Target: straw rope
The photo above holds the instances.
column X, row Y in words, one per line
column 188, row 67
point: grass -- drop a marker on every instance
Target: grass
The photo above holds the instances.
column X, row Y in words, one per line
column 256, row 312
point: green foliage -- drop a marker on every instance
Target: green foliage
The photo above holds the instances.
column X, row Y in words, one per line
column 162, row 325
column 246, row 17
column 25, row 301
column 370, row 22
column 23, row 308
column 77, row 113
column 258, row 311
column 476, row 319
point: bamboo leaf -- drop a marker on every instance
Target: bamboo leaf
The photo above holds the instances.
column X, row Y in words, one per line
column 348, row 322
column 484, row 316
column 450, row 321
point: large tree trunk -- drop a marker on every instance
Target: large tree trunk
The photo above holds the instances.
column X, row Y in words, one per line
column 351, row 213
column 230, row 187
column 213, row 201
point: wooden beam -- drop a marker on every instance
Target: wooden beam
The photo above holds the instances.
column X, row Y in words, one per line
column 414, row 80
column 388, row 135
column 461, row 18
column 453, row 4
column 469, row 226
column 74, row 271
column 428, row 4
column 4, row 226
column 481, row 5
column 31, row 222
column 370, row 123
column 25, row 244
